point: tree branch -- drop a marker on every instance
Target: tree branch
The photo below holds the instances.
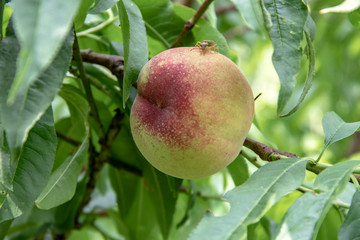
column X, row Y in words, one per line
column 266, row 152
column 97, row 160
column 191, row 23
column 86, row 83
column 114, row 63
column 224, row 9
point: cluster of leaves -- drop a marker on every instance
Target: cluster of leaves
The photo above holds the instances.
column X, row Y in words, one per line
column 68, row 164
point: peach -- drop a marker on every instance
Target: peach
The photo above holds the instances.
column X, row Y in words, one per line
column 193, row 110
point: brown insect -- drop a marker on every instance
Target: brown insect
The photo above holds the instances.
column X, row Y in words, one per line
column 207, row 45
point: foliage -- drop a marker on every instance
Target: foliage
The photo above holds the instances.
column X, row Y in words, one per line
column 69, row 167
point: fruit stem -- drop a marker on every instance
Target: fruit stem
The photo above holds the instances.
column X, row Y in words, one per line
column 191, row 23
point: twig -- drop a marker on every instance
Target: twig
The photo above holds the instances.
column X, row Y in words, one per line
column 224, row 9
column 114, row 63
column 266, row 152
column 191, row 23
column 97, row 160
column 86, row 83
column 67, row 139
column 124, row 166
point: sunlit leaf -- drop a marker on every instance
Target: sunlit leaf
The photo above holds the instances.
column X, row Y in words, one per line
column 345, row 6
column 336, row 129
column 33, row 168
column 350, row 227
column 303, row 219
column 42, row 27
column 251, row 200
column 135, row 44
column 288, row 19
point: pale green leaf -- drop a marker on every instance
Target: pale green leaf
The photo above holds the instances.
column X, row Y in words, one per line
column 28, row 106
column 288, row 19
column 310, row 53
column 63, row 180
column 102, row 5
column 303, row 219
column 33, row 168
column 344, row 7
column 336, row 129
column 42, row 27
column 251, row 200
column 62, row 184
column 250, row 10
column 135, row 44
column 350, row 228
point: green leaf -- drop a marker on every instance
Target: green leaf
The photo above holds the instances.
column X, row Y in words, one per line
column 239, row 170
column 354, row 18
column 18, row 118
column 63, row 180
column 42, row 27
column 140, row 218
column 102, row 5
column 250, row 201
column 303, row 219
column 164, row 22
column 82, row 12
column 310, row 53
column 135, row 44
column 123, row 184
column 288, row 19
column 351, row 225
column 251, row 12
column 33, row 168
column 162, row 196
column 62, row 184
column 211, row 14
column 202, row 30
column 161, row 22
column 4, row 227
column 336, row 129
column 64, row 216
column 344, row 7
column 5, row 167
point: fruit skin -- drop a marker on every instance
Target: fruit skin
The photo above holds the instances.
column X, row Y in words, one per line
column 192, row 112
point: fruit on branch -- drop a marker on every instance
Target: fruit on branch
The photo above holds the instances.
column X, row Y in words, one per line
column 192, row 112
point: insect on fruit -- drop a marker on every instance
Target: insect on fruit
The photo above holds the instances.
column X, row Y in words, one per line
column 207, row 45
